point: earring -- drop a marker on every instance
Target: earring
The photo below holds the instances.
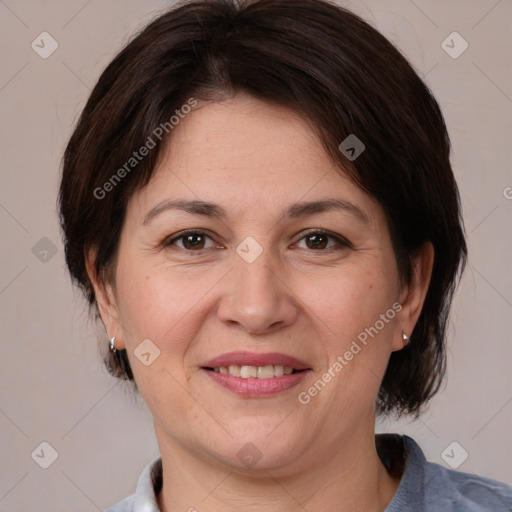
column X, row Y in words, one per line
column 112, row 345
column 406, row 339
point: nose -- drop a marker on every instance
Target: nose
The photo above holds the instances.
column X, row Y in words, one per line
column 256, row 296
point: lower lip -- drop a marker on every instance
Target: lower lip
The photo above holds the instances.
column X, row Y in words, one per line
column 256, row 388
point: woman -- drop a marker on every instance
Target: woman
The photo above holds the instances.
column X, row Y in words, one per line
column 258, row 201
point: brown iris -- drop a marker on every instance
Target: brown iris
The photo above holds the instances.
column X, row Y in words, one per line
column 319, row 241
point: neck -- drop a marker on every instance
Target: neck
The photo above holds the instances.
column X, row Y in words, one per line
column 348, row 477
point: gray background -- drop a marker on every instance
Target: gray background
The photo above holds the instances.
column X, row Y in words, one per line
column 53, row 387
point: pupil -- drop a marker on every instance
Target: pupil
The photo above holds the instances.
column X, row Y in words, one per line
column 190, row 239
column 320, row 240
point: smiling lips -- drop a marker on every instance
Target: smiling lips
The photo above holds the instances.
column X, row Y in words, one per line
column 256, row 375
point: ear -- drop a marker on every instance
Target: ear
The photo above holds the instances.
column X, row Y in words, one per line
column 106, row 300
column 412, row 296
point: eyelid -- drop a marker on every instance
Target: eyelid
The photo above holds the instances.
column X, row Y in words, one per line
column 340, row 240
column 169, row 241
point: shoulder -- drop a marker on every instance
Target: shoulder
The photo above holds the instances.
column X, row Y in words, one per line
column 466, row 491
column 429, row 487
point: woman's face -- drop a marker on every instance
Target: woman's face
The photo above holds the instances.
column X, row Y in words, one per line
column 261, row 277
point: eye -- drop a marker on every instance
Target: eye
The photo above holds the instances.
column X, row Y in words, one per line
column 318, row 239
column 193, row 240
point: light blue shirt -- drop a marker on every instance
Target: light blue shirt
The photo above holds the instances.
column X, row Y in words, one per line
column 424, row 486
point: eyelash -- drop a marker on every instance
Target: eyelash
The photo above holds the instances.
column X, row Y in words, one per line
column 342, row 242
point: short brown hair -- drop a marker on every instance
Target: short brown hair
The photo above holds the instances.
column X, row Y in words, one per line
column 322, row 62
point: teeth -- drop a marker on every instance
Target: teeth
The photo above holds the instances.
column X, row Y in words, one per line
column 264, row 372
column 234, row 370
column 248, row 371
column 258, row 372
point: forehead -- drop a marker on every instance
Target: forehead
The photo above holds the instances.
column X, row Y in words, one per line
column 245, row 137
column 247, row 155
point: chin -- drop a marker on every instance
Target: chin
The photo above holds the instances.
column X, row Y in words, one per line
column 256, row 448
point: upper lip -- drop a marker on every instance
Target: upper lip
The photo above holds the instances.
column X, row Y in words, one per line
column 242, row 358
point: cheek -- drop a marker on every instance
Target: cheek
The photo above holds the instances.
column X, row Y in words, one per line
column 348, row 308
column 155, row 302
column 158, row 304
column 349, row 300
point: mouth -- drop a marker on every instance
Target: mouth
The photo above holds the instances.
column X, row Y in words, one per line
column 254, row 375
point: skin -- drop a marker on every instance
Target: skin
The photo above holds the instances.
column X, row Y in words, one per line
column 256, row 159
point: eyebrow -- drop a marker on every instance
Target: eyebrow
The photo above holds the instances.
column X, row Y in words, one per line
column 294, row 211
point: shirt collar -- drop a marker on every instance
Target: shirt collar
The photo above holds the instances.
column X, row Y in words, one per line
column 148, row 487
